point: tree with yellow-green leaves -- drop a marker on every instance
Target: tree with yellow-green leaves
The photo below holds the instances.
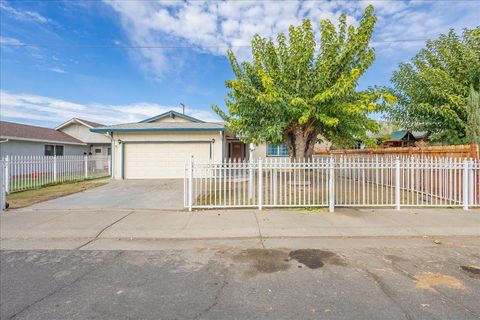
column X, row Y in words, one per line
column 433, row 88
column 295, row 89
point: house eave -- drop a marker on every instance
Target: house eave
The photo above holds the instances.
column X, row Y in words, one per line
column 170, row 113
column 42, row 140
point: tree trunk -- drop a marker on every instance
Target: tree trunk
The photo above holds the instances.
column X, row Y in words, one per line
column 300, row 142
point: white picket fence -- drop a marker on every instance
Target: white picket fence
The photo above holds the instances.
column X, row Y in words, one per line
column 330, row 182
column 30, row 172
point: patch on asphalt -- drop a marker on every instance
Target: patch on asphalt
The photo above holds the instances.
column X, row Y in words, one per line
column 471, row 271
column 315, row 258
column 272, row 260
column 429, row 280
column 264, row 260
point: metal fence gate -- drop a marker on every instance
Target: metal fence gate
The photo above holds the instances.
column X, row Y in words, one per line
column 329, row 182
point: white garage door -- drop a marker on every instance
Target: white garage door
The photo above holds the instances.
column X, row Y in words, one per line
column 161, row 160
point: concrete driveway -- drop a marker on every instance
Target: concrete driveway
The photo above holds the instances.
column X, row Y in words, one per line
column 124, row 194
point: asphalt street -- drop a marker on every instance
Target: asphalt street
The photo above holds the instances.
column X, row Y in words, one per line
column 381, row 279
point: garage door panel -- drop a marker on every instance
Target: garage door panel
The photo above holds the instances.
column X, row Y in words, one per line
column 161, row 160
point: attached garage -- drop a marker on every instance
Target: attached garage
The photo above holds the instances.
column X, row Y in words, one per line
column 160, row 160
column 159, row 147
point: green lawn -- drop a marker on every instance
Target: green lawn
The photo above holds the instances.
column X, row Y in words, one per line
column 26, row 198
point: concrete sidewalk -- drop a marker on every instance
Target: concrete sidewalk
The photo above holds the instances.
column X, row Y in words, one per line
column 69, row 229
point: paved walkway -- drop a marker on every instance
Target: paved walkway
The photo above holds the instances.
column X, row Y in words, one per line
column 68, row 229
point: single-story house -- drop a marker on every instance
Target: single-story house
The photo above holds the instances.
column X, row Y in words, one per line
column 71, row 138
column 97, row 144
column 159, row 147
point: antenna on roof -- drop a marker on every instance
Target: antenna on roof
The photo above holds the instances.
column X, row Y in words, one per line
column 183, row 107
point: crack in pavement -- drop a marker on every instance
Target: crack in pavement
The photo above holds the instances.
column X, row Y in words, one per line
column 387, row 292
column 259, row 230
column 79, row 278
column 103, row 230
column 381, row 285
column 436, row 290
column 215, row 299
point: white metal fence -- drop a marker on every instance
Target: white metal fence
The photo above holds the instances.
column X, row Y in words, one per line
column 330, row 182
column 30, row 172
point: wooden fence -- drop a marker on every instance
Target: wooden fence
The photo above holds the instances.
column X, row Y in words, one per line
column 461, row 151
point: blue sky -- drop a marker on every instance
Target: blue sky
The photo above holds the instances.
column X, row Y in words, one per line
column 76, row 63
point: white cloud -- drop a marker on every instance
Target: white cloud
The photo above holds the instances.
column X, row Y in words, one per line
column 57, row 70
column 25, row 15
column 10, row 41
column 214, row 26
column 28, row 107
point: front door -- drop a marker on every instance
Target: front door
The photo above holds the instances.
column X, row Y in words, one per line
column 236, row 150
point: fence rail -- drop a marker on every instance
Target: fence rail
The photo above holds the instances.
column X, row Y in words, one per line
column 330, row 182
column 30, row 172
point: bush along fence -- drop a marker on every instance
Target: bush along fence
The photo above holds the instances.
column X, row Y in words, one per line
column 30, row 172
column 334, row 182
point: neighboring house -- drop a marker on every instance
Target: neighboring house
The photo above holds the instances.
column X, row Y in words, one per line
column 20, row 139
column 159, row 147
column 70, row 138
column 404, row 138
column 98, row 144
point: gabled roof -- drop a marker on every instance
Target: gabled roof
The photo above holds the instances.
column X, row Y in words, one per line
column 17, row 131
column 398, row 135
column 162, row 126
column 87, row 123
column 171, row 114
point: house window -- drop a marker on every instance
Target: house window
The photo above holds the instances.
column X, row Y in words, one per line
column 49, row 149
column 277, row 150
column 109, row 151
column 59, row 150
column 53, row 150
column 98, row 151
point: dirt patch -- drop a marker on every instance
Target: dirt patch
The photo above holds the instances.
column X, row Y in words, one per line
column 428, row 280
column 315, row 258
column 471, row 271
column 264, row 260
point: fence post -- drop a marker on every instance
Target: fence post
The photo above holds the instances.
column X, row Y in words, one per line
column 7, row 174
column 250, row 179
column 2, row 185
column 331, row 186
column 55, row 168
column 397, row 183
column 471, row 187
column 465, row 184
column 274, row 181
column 260, row 184
column 86, row 167
column 190, row 184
